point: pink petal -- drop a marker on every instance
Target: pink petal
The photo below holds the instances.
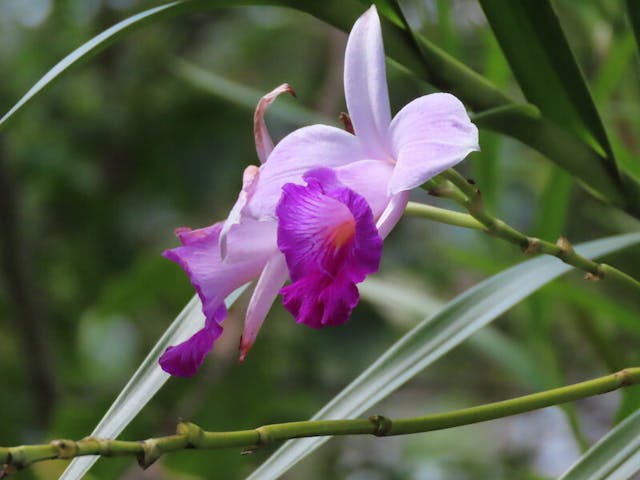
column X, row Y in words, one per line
column 264, row 144
column 365, row 85
column 304, row 149
column 273, row 276
column 429, row 135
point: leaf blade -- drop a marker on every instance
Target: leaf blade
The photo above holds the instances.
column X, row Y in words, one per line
column 431, row 339
column 411, row 51
column 541, row 59
column 87, row 50
column 615, row 457
column 145, row 382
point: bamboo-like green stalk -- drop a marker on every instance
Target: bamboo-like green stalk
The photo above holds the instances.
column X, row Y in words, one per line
column 466, row 194
column 191, row 436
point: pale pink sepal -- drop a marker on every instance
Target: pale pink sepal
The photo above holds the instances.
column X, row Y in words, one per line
column 392, row 214
column 429, row 135
column 249, row 178
column 365, row 85
column 305, row 149
column 264, row 144
column 369, row 178
column 271, row 280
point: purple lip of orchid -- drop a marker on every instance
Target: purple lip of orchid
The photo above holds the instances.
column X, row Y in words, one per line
column 329, row 239
column 321, row 202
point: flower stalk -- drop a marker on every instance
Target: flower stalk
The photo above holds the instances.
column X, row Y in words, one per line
column 442, row 215
column 191, row 436
column 450, row 184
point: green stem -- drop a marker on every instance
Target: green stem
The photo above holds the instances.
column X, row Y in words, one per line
column 191, row 436
column 443, row 216
column 467, row 195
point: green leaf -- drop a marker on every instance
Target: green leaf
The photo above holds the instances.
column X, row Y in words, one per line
column 418, row 55
column 534, row 43
column 525, row 123
column 532, row 39
column 554, row 205
column 585, row 160
column 614, row 457
column 89, row 49
column 633, row 9
column 434, row 337
column 405, row 301
column 486, row 170
column 95, row 45
column 242, row 95
column 609, row 309
column 617, row 61
column 145, row 382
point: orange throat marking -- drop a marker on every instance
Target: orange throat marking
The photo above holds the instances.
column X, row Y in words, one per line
column 342, row 233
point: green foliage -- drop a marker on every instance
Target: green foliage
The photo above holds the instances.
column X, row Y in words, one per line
column 614, row 456
column 432, row 338
column 140, row 130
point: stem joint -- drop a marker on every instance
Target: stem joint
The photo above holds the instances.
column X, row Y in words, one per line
column 381, row 425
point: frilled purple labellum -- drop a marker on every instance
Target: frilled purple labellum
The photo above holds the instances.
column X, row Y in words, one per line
column 329, row 239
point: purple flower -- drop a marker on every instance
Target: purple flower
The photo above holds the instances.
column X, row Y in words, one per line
column 321, row 202
column 329, row 239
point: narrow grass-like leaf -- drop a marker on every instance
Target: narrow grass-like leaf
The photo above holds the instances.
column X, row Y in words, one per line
column 595, row 301
column 615, row 457
column 507, row 117
column 413, row 52
column 405, row 302
column 554, row 205
column 617, row 61
column 486, row 170
column 525, row 123
column 144, row 383
column 532, row 39
column 121, row 29
column 399, row 299
column 633, row 9
column 534, row 43
column 446, row 26
column 434, row 337
column 89, row 49
column 242, row 95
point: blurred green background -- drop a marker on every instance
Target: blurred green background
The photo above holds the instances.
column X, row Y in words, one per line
column 154, row 133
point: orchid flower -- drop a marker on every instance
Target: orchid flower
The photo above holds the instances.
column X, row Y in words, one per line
column 318, row 207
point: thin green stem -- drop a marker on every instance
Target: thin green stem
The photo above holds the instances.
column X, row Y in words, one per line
column 191, row 436
column 443, row 216
column 450, row 184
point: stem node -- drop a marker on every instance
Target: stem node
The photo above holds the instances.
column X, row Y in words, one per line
column 624, row 377
column 381, row 425
column 193, row 433
column 533, row 246
column 566, row 249
column 149, row 454
column 264, row 437
column 66, row 449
